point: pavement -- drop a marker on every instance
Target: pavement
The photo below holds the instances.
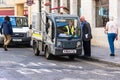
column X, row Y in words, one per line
column 103, row 54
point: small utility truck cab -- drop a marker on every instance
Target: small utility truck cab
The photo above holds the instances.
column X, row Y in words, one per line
column 52, row 35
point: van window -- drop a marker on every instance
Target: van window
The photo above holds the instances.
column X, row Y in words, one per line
column 13, row 21
column 21, row 22
column 17, row 21
column 1, row 20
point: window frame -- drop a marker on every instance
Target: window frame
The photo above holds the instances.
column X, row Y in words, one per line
column 1, row 1
column 101, row 17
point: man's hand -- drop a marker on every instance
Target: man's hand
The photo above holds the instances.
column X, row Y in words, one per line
column 116, row 37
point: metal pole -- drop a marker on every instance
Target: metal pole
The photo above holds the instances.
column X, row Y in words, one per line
column 40, row 12
column 39, row 5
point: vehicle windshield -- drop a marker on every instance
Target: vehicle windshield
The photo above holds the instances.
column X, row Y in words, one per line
column 1, row 20
column 67, row 27
column 17, row 21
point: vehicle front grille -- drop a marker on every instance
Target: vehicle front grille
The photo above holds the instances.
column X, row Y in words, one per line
column 18, row 35
column 69, row 44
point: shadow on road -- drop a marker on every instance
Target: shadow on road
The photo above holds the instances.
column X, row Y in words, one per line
column 17, row 46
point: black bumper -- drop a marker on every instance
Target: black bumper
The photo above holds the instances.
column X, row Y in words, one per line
column 24, row 40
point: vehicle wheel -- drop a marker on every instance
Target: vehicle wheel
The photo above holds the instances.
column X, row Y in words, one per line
column 47, row 54
column 35, row 48
column 71, row 57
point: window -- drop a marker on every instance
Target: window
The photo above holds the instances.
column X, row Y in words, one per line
column 58, row 6
column 67, row 27
column 1, row 20
column 50, row 5
column 102, row 12
column 21, row 22
column 17, row 21
column 1, row 1
column 13, row 21
column 68, row 5
column 79, row 7
column 50, row 29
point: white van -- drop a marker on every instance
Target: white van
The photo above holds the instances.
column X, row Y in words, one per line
column 21, row 32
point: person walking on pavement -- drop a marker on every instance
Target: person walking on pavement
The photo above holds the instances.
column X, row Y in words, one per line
column 112, row 32
column 7, row 31
column 87, row 36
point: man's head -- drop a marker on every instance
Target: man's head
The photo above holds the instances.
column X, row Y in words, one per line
column 7, row 18
column 70, row 22
column 82, row 18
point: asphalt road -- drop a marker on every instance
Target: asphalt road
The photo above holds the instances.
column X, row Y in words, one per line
column 21, row 64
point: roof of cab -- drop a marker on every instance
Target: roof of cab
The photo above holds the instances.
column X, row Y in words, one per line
column 64, row 15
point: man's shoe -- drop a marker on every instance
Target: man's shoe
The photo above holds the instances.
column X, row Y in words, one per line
column 87, row 55
column 112, row 54
column 5, row 47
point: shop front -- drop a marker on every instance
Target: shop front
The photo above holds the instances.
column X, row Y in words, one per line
column 10, row 12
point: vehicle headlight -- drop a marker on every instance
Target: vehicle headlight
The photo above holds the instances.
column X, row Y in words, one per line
column 28, row 34
column 78, row 44
column 59, row 44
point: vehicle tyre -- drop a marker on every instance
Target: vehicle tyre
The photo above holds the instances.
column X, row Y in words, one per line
column 36, row 50
column 47, row 54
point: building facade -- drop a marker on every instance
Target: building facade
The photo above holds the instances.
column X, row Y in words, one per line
column 13, row 7
column 99, row 11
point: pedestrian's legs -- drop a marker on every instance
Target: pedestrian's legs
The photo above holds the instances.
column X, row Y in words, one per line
column 7, row 39
column 111, row 38
column 87, row 48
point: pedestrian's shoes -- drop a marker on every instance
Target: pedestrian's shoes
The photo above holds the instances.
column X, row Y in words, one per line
column 5, row 47
column 112, row 54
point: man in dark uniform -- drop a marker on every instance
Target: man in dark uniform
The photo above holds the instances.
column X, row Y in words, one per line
column 87, row 36
column 7, row 31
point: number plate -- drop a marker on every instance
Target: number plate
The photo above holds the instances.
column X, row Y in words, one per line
column 19, row 40
column 69, row 51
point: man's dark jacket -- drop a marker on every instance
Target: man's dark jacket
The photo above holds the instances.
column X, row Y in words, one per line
column 7, row 28
column 86, row 31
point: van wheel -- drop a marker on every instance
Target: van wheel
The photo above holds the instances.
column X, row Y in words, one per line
column 35, row 48
column 47, row 54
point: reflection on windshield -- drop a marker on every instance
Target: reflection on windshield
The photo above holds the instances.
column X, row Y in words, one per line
column 21, row 22
column 68, row 27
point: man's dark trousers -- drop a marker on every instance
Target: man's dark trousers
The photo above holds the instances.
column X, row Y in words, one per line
column 87, row 48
